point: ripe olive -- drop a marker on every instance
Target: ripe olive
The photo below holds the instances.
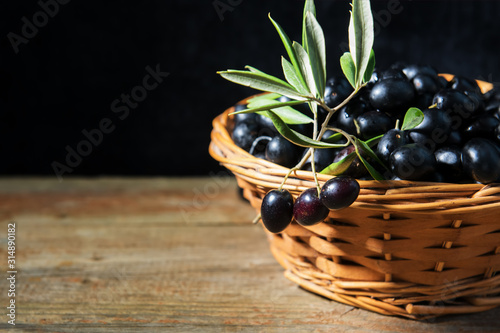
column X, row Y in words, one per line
column 277, row 210
column 392, row 94
column 339, row 192
column 336, row 91
column 481, row 160
column 413, row 162
column 457, row 105
column 281, row 151
column 425, row 84
column 244, row 135
column 434, row 130
column 391, row 140
column 373, row 123
column 266, row 126
column 482, row 126
column 462, row 83
column 413, row 70
column 391, row 73
column 249, row 118
column 449, row 163
column 347, row 115
column 308, row 208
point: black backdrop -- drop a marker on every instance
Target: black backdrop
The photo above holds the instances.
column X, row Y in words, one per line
column 67, row 67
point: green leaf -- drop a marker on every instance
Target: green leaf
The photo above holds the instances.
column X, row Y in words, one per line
column 295, row 137
column 373, row 141
column 266, row 104
column 373, row 172
column 365, row 146
column 339, row 167
column 413, row 118
column 360, row 147
column 305, row 67
column 334, row 137
column 348, row 67
column 291, row 76
column 289, row 50
column 262, row 81
column 285, row 112
column 308, row 7
column 253, row 69
column 370, row 67
column 269, row 96
column 313, row 107
column 289, row 115
column 316, row 49
column 361, row 36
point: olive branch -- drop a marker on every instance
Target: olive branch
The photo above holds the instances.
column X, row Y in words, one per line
column 305, row 82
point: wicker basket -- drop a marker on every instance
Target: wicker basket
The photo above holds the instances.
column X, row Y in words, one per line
column 411, row 249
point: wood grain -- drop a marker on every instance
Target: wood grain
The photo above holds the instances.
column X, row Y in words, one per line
column 181, row 255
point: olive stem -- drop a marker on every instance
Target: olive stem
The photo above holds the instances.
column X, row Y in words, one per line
column 345, row 134
column 286, row 177
column 315, row 123
column 313, row 169
column 331, row 111
column 257, row 141
column 322, row 131
column 358, row 129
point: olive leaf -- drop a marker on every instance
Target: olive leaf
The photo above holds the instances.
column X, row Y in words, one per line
column 253, row 69
column 362, row 147
column 292, row 77
column 361, row 37
column 348, row 67
column 371, row 170
column 305, row 66
column 316, row 49
column 308, row 7
column 339, row 167
column 262, row 81
column 268, row 104
column 305, row 75
column 285, row 112
column 282, row 109
column 413, row 118
column 289, row 115
column 373, row 141
column 367, row 148
column 290, row 50
column 295, row 137
column 369, row 67
column 334, row 137
column 269, row 96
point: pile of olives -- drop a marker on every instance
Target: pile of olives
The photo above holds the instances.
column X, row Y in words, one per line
column 278, row 207
column 457, row 142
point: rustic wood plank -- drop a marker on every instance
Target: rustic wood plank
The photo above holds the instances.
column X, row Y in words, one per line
column 117, row 255
column 170, row 200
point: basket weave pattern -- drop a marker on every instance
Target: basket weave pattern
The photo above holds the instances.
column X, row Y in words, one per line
column 412, row 249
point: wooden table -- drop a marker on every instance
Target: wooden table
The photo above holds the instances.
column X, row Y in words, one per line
column 160, row 254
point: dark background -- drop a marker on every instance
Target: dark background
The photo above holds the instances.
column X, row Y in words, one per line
column 64, row 79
